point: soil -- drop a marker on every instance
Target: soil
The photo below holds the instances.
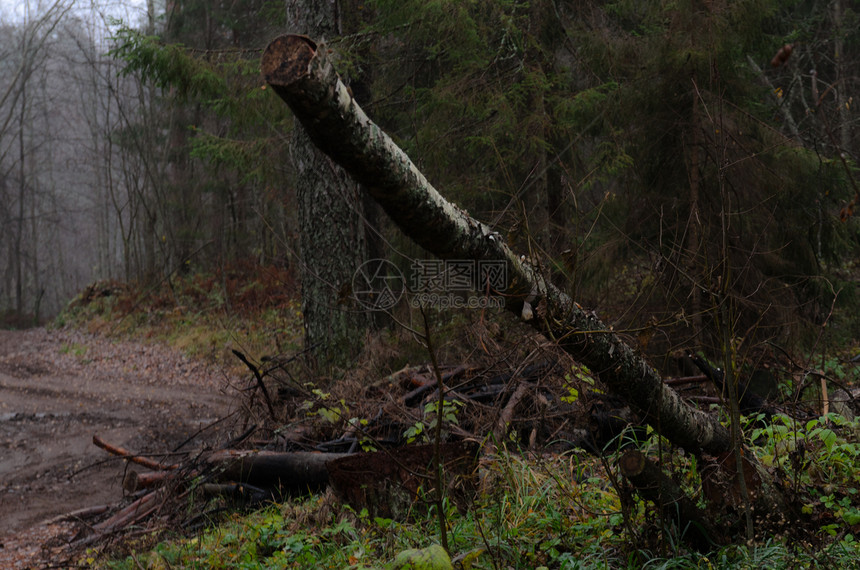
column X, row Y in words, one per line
column 60, row 388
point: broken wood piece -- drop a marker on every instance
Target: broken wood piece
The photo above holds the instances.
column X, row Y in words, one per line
column 131, row 514
column 507, row 415
column 134, row 481
column 121, row 452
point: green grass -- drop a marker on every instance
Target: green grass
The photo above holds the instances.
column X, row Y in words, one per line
column 531, row 512
column 203, row 315
column 534, row 514
column 76, row 349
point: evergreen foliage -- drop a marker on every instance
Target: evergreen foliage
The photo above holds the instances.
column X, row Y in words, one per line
column 223, row 159
column 168, row 66
column 612, row 104
column 635, row 150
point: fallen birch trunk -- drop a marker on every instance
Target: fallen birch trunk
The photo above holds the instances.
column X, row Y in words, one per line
column 304, row 78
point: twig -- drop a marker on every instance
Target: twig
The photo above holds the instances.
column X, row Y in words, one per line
column 508, row 412
column 260, row 382
column 201, row 430
column 685, row 380
column 437, row 443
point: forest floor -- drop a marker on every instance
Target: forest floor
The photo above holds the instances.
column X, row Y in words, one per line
column 58, row 389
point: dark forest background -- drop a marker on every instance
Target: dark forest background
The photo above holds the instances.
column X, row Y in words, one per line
column 687, row 169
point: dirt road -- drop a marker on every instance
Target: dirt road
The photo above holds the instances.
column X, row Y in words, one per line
column 59, row 388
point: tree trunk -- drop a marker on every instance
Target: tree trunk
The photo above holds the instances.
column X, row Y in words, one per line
column 304, row 78
column 842, row 100
column 694, row 223
column 22, row 195
column 331, row 225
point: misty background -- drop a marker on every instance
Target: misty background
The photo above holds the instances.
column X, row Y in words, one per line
column 65, row 185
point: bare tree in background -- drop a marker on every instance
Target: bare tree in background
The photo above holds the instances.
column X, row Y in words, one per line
column 71, row 185
column 26, row 108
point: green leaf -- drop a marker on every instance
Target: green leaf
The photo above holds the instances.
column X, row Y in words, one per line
column 573, row 395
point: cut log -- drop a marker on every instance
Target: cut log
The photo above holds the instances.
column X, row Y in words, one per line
column 303, row 76
column 653, row 485
column 299, row 471
column 286, row 471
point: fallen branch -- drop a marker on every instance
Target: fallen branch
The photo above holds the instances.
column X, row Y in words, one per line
column 414, row 397
column 507, row 415
column 81, row 514
column 259, row 378
column 121, row 452
column 136, row 511
column 685, row 380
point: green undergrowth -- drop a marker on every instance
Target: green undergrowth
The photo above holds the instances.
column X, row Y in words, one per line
column 252, row 309
column 532, row 513
column 819, row 462
column 568, row 510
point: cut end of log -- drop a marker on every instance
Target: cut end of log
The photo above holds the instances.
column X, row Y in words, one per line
column 286, row 59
